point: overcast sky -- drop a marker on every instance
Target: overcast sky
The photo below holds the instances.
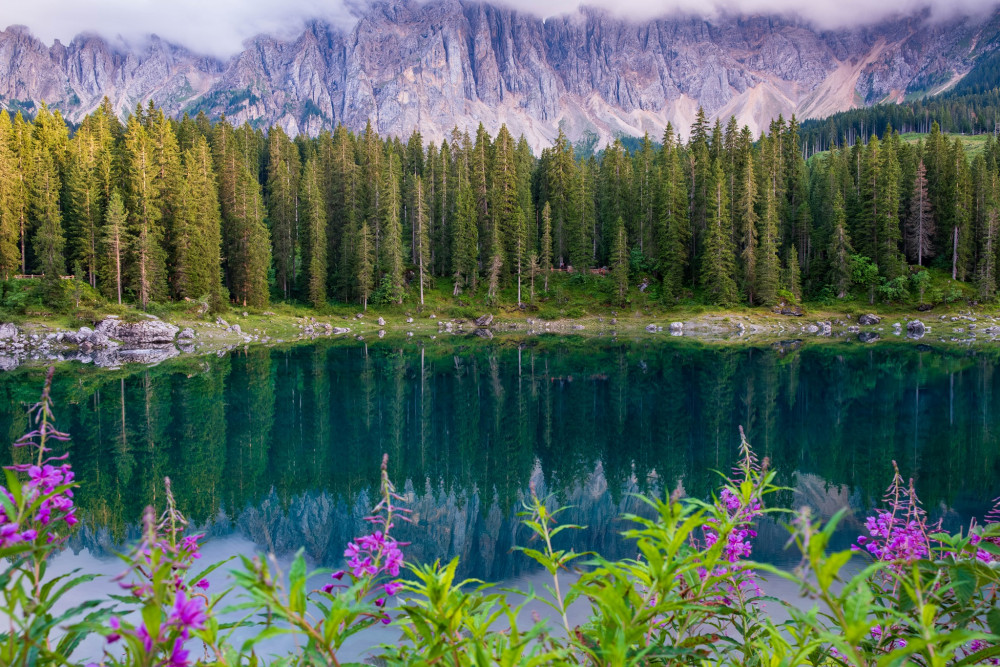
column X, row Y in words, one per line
column 219, row 27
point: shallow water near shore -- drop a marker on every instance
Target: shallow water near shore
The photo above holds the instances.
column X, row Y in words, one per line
column 276, row 449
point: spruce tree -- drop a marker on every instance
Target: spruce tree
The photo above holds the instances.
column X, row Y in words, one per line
column 620, row 262
column 147, row 259
column 768, row 264
column 674, row 229
column 920, row 222
column 545, row 255
column 245, row 239
column 745, row 219
column 48, row 241
column 465, row 242
column 718, row 261
column 113, row 243
column 283, row 171
column 365, row 263
column 391, row 245
column 314, row 213
column 421, row 243
column 198, row 222
column 792, row 277
column 10, row 256
column 839, row 251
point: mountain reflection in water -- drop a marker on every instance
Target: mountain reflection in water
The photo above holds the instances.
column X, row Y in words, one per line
column 280, row 448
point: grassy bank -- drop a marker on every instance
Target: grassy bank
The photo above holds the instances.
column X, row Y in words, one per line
column 573, row 304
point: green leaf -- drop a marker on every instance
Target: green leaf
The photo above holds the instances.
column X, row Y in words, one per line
column 963, row 582
column 993, row 620
column 297, row 583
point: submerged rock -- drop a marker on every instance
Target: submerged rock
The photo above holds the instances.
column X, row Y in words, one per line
column 915, row 329
column 7, row 331
column 143, row 333
column 869, row 319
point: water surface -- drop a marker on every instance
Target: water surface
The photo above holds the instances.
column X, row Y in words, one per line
column 273, row 449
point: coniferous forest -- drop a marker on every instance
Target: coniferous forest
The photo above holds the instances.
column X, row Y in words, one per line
column 156, row 209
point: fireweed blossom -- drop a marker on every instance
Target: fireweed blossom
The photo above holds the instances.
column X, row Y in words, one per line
column 373, row 556
column 741, row 512
column 898, row 534
column 44, row 499
column 158, row 579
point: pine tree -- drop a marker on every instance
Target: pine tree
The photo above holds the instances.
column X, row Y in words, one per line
column 620, row 262
column 583, row 226
column 768, row 263
column 245, row 240
column 920, row 223
column 198, row 223
column 147, row 259
column 615, row 199
column 645, row 189
column 48, row 241
column 9, row 232
column 839, row 251
column 314, row 211
column 421, row 247
column 18, row 189
column 545, row 256
column 114, row 241
column 505, row 207
column 792, row 277
column 891, row 262
column 365, row 263
column 986, row 280
column 745, row 220
column 674, row 229
column 465, row 242
column 283, row 172
column 391, row 250
column 718, row 262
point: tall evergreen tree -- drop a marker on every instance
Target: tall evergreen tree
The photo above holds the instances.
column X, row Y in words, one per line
column 839, row 251
column 283, row 171
column 147, row 259
column 768, row 263
column 674, row 233
column 10, row 256
column 421, row 235
column 920, row 223
column 545, row 242
column 314, row 213
column 198, row 223
column 620, row 262
column 391, row 247
column 113, row 243
column 718, row 262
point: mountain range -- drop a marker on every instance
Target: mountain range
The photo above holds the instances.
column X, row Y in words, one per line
column 432, row 65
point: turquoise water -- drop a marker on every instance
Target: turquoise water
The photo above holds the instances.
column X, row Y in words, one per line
column 277, row 449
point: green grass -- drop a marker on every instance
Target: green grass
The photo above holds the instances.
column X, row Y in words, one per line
column 973, row 143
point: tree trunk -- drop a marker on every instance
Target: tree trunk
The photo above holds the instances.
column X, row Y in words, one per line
column 954, row 256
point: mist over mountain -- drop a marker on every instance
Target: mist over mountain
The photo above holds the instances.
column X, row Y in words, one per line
column 433, row 65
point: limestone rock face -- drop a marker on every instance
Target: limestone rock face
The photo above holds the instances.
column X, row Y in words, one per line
column 429, row 66
column 149, row 332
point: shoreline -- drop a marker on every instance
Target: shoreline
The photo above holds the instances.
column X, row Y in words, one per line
column 144, row 339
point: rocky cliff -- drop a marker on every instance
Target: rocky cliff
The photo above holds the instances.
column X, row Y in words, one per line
column 433, row 65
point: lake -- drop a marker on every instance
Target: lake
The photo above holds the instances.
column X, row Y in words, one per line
column 276, row 449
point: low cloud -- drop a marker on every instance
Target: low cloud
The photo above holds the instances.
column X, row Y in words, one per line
column 219, row 27
column 211, row 27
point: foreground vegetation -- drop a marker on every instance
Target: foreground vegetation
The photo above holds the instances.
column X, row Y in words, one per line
column 691, row 596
